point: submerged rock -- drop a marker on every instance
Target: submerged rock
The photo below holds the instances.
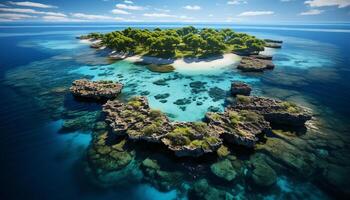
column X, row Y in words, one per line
column 198, row 86
column 240, row 88
column 274, row 111
column 79, row 120
column 99, row 90
column 217, row 94
column 263, row 175
column 162, row 96
column 161, row 179
column 111, row 164
column 337, row 179
column 224, row 169
column 254, row 64
column 202, row 190
column 288, row 156
column 182, row 102
column 160, row 68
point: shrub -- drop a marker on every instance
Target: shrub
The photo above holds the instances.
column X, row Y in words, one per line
column 223, row 151
column 234, row 118
column 250, row 116
column 200, row 127
column 155, row 114
column 134, row 103
column 243, row 99
column 150, row 129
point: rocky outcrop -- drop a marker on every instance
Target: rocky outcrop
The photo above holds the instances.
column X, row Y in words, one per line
column 192, row 139
column 240, row 124
column 273, row 41
column 274, row 111
column 263, row 57
column 273, row 45
column 238, row 127
column 136, row 119
column 98, row 90
column 254, row 64
column 240, row 88
column 96, row 45
column 277, row 44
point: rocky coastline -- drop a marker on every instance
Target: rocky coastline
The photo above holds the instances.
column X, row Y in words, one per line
column 98, row 90
column 242, row 122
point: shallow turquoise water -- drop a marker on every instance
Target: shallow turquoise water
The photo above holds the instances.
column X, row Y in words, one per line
column 311, row 70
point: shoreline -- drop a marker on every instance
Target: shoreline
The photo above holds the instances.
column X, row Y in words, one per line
column 190, row 64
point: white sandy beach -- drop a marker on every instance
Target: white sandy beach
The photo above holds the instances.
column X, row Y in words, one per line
column 191, row 64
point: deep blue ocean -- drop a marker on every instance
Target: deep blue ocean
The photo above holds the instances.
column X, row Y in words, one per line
column 38, row 161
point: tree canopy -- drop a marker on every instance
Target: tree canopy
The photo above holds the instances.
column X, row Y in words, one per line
column 186, row 41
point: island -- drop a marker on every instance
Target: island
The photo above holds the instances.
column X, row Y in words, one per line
column 177, row 43
column 160, row 48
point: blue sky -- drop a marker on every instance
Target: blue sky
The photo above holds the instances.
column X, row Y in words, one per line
column 235, row 11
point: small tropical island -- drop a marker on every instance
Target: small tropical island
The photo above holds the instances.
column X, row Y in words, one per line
column 178, row 43
column 162, row 48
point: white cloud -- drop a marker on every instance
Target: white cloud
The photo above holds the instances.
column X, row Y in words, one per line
column 13, row 16
column 31, row 4
column 128, row 2
column 237, row 2
column 61, row 19
column 121, row 12
column 194, row 7
column 169, row 16
column 255, row 13
column 129, row 7
column 322, row 3
column 312, row 12
column 31, row 11
column 158, row 15
column 5, row 20
column 91, row 17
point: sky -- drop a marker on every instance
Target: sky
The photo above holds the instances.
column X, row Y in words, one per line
column 195, row 11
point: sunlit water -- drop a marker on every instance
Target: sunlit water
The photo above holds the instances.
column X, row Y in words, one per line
column 40, row 162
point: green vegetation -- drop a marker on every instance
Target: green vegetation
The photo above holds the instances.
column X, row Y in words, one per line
column 150, row 129
column 223, row 151
column 242, row 99
column 155, row 114
column 235, row 118
column 250, row 116
column 243, row 116
column 290, row 107
column 215, row 116
column 181, row 42
column 134, row 103
column 200, row 127
column 186, row 135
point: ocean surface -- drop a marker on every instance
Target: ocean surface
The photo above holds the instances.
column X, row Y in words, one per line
column 41, row 160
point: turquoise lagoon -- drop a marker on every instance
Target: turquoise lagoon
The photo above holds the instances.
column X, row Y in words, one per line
column 43, row 154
